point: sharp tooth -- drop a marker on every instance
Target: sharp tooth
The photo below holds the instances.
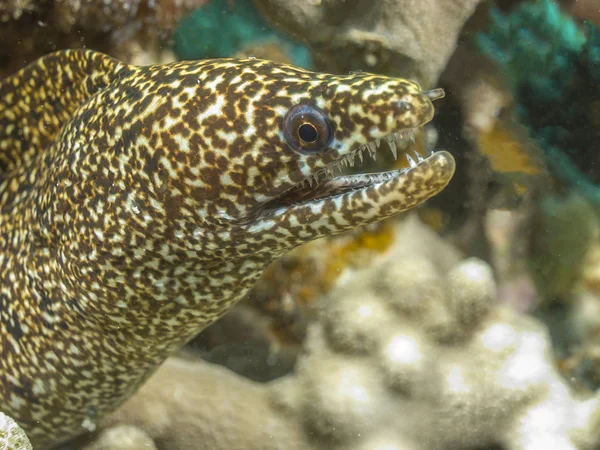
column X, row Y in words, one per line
column 419, row 157
column 374, row 156
column 360, row 155
column 351, row 159
column 411, row 162
column 393, row 149
column 372, row 147
column 377, row 142
column 411, row 136
column 430, row 137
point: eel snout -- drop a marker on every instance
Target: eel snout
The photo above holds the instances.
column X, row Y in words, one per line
column 330, row 204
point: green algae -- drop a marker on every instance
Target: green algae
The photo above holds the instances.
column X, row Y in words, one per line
column 552, row 64
column 221, row 28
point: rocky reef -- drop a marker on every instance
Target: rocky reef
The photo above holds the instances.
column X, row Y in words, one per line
column 122, row 28
column 389, row 36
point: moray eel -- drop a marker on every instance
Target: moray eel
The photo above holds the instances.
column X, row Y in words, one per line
column 139, row 204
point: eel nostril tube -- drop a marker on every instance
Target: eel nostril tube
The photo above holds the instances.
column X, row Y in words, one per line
column 434, row 94
column 403, row 106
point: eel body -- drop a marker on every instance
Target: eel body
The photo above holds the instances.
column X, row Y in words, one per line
column 138, row 204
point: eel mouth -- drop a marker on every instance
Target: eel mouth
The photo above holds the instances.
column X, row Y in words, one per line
column 429, row 173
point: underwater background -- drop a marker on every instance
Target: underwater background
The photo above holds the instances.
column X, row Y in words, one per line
column 471, row 322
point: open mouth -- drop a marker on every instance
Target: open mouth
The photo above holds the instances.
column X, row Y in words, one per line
column 324, row 184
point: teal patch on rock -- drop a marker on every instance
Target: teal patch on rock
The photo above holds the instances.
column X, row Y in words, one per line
column 553, row 66
column 221, row 28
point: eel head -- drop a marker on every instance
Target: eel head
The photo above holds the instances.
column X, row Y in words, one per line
column 230, row 158
column 305, row 126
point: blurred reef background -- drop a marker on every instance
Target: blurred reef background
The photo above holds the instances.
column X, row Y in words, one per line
column 472, row 323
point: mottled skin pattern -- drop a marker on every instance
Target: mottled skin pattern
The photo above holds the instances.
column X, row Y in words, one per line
column 139, row 204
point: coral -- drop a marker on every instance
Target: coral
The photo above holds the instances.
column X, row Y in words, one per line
column 484, row 97
column 591, row 272
column 191, row 405
column 14, row 9
column 482, row 102
column 261, row 338
column 222, row 28
column 500, row 164
column 31, row 29
column 552, row 67
column 554, row 70
column 585, row 9
column 573, row 234
column 532, row 41
column 287, row 292
column 411, row 352
column 12, row 437
column 126, row 437
column 511, row 153
column 397, row 37
column 560, row 232
column 547, row 259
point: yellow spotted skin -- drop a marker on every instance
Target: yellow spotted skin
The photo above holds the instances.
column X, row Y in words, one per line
column 133, row 211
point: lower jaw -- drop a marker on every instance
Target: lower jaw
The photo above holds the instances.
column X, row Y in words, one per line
column 345, row 202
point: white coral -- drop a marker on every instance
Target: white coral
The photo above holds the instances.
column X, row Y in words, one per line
column 414, row 354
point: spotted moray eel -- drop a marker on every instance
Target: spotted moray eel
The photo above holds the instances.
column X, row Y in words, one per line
column 139, row 204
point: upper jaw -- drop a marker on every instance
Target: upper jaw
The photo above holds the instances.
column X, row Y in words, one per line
column 393, row 142
column 330, row 186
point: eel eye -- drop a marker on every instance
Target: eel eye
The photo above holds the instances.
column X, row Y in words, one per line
column 306, row 129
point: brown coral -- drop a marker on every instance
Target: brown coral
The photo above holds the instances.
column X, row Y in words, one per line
column 31, row 29
column 413, row 39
